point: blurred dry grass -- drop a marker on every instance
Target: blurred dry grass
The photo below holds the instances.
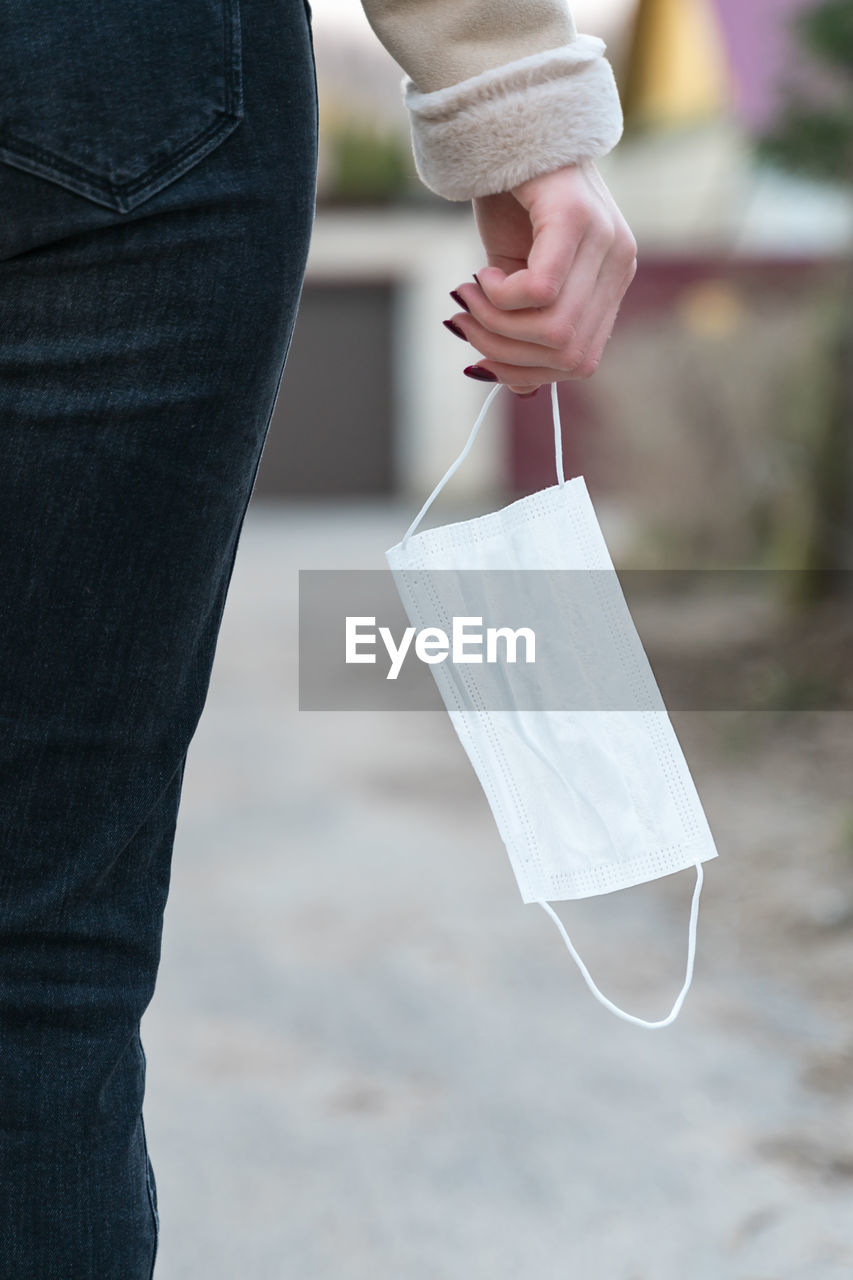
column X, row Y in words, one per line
column 715, row 409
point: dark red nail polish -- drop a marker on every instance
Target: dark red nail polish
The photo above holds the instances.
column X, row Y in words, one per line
column 474, row 274
column 454, row 328
column 482, row 375
column 460, row 301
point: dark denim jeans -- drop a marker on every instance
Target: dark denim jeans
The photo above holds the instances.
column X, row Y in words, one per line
column 157, row 176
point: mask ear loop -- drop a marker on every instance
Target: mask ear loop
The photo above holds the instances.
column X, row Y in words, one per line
column 691, row 956
column 558, row 436
column 454, row 466
column 452, row 469
column 700, row 875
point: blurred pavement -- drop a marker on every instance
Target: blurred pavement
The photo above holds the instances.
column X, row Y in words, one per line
column 368, row 1060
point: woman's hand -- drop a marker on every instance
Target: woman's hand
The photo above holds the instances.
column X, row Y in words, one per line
column 561, row 257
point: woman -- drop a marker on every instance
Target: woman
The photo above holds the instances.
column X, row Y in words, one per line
column 157, row 170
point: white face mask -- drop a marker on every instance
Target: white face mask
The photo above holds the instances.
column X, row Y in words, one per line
column 586, row 801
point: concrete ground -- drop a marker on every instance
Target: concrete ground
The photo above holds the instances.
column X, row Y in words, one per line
column 368, row 1060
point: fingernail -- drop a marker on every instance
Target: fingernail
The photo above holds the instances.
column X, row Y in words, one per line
column 482, row 375
column 525, row 395
column 454, row 328
column 474, row 273
column 460, row 301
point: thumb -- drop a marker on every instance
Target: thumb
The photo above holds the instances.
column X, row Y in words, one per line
column 524, row 287
column 490, row 280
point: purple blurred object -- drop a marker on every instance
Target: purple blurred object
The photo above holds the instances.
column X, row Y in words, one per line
column 760, row 47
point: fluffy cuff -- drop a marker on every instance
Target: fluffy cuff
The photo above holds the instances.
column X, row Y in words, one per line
column 513, row 122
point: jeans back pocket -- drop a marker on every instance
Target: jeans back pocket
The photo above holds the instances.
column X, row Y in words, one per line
column 114, row 99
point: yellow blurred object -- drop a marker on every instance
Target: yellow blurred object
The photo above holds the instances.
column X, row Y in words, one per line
column 677, row 71
column 711, row 308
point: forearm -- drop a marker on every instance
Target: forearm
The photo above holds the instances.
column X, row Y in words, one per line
column 440, row 42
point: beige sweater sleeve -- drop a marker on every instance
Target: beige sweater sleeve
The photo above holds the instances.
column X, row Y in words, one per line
column 497, row 91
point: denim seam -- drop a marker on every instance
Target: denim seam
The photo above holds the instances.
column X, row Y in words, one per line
column 234, row 60
column 155, row 1218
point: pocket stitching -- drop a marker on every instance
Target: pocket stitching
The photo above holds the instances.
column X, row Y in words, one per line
column 125, row 196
